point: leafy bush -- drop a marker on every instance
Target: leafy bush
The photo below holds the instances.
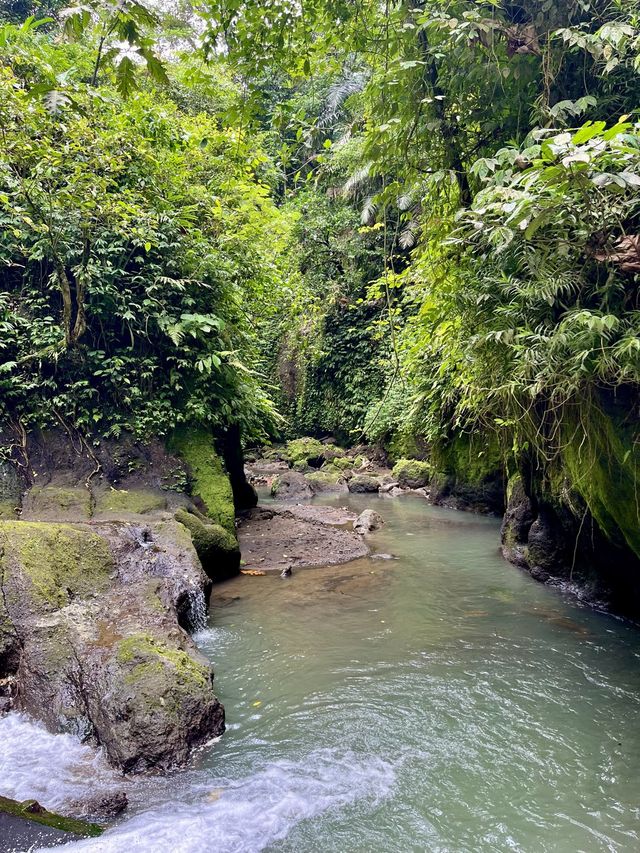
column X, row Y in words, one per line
column 133, row 237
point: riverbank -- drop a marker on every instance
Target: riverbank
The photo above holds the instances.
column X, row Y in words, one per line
column 557, row 546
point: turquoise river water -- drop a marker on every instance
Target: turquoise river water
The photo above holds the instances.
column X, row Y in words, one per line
column 438, row 701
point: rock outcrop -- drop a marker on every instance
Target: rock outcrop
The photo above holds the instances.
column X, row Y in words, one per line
column 102, row 578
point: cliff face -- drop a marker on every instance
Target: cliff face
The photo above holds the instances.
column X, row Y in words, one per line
column 107, row 554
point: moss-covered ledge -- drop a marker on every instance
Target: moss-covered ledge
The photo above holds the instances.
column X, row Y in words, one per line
column 31, row 810
column 209, row 480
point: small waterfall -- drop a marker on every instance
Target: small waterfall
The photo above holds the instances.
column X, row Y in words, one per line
column 192, row 610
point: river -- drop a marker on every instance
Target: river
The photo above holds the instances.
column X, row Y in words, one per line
column 438, row 701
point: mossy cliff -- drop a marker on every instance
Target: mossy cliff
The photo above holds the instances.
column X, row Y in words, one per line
column 604, row 468
column 209, row 481
column 576, row 517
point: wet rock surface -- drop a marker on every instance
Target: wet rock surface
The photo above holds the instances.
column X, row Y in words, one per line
column 274, row 538
column 100, row 585
column 368, row 521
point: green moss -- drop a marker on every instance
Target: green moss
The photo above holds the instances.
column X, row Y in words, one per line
column 304, row 449
column 134, row 501
column 58, row 503
column 209, row 480
column 471, row 459
column 216, row 548
column 60, row 561
column 602, row 463
column 412, row 473
column 149, row 657
column 32, row 811
column 206, row 537
column 7, row 511
column 342, row 463
column 326, row 477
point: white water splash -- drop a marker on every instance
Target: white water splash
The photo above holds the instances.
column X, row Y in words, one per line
column 248, row 815
column 53, row 769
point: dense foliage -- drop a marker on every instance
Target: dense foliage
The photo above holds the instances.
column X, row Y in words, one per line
column 135, row 233
column 420, row 220
column 500, row 158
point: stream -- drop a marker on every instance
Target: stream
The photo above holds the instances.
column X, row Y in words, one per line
column 438, row 701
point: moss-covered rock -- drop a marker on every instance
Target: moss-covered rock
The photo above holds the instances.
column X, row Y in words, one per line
column 32, row 811
column 307, row 450
column 208, row 478
column 364, row 483
column 217, row 549
column 517, row 521
column 147, row 655
column 342, row 463
column 57, row 503
column 328, row 479
column 129, row 502
column 411, row 473
column 58, row 562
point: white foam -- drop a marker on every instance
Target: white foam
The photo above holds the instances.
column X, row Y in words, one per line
column 53, row 769
column 248, row 815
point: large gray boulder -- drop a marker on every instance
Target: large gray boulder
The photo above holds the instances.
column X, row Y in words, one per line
column 364, row 483
column 291, row 486
column 92, row 619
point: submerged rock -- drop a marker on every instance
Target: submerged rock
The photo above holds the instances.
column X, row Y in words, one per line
column 367, row 521
column 105, row 805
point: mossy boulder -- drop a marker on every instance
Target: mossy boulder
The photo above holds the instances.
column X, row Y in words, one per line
column 305, row 450
column 342, row 463
column 97, row 609
column 364, row 483
column 117, row 502
column 57, row 503
column 411, row 473
column 327, row 480
column 291, row 485
column 209, row 481
column 333, row 453
column 52, row 564
column 217, row 549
